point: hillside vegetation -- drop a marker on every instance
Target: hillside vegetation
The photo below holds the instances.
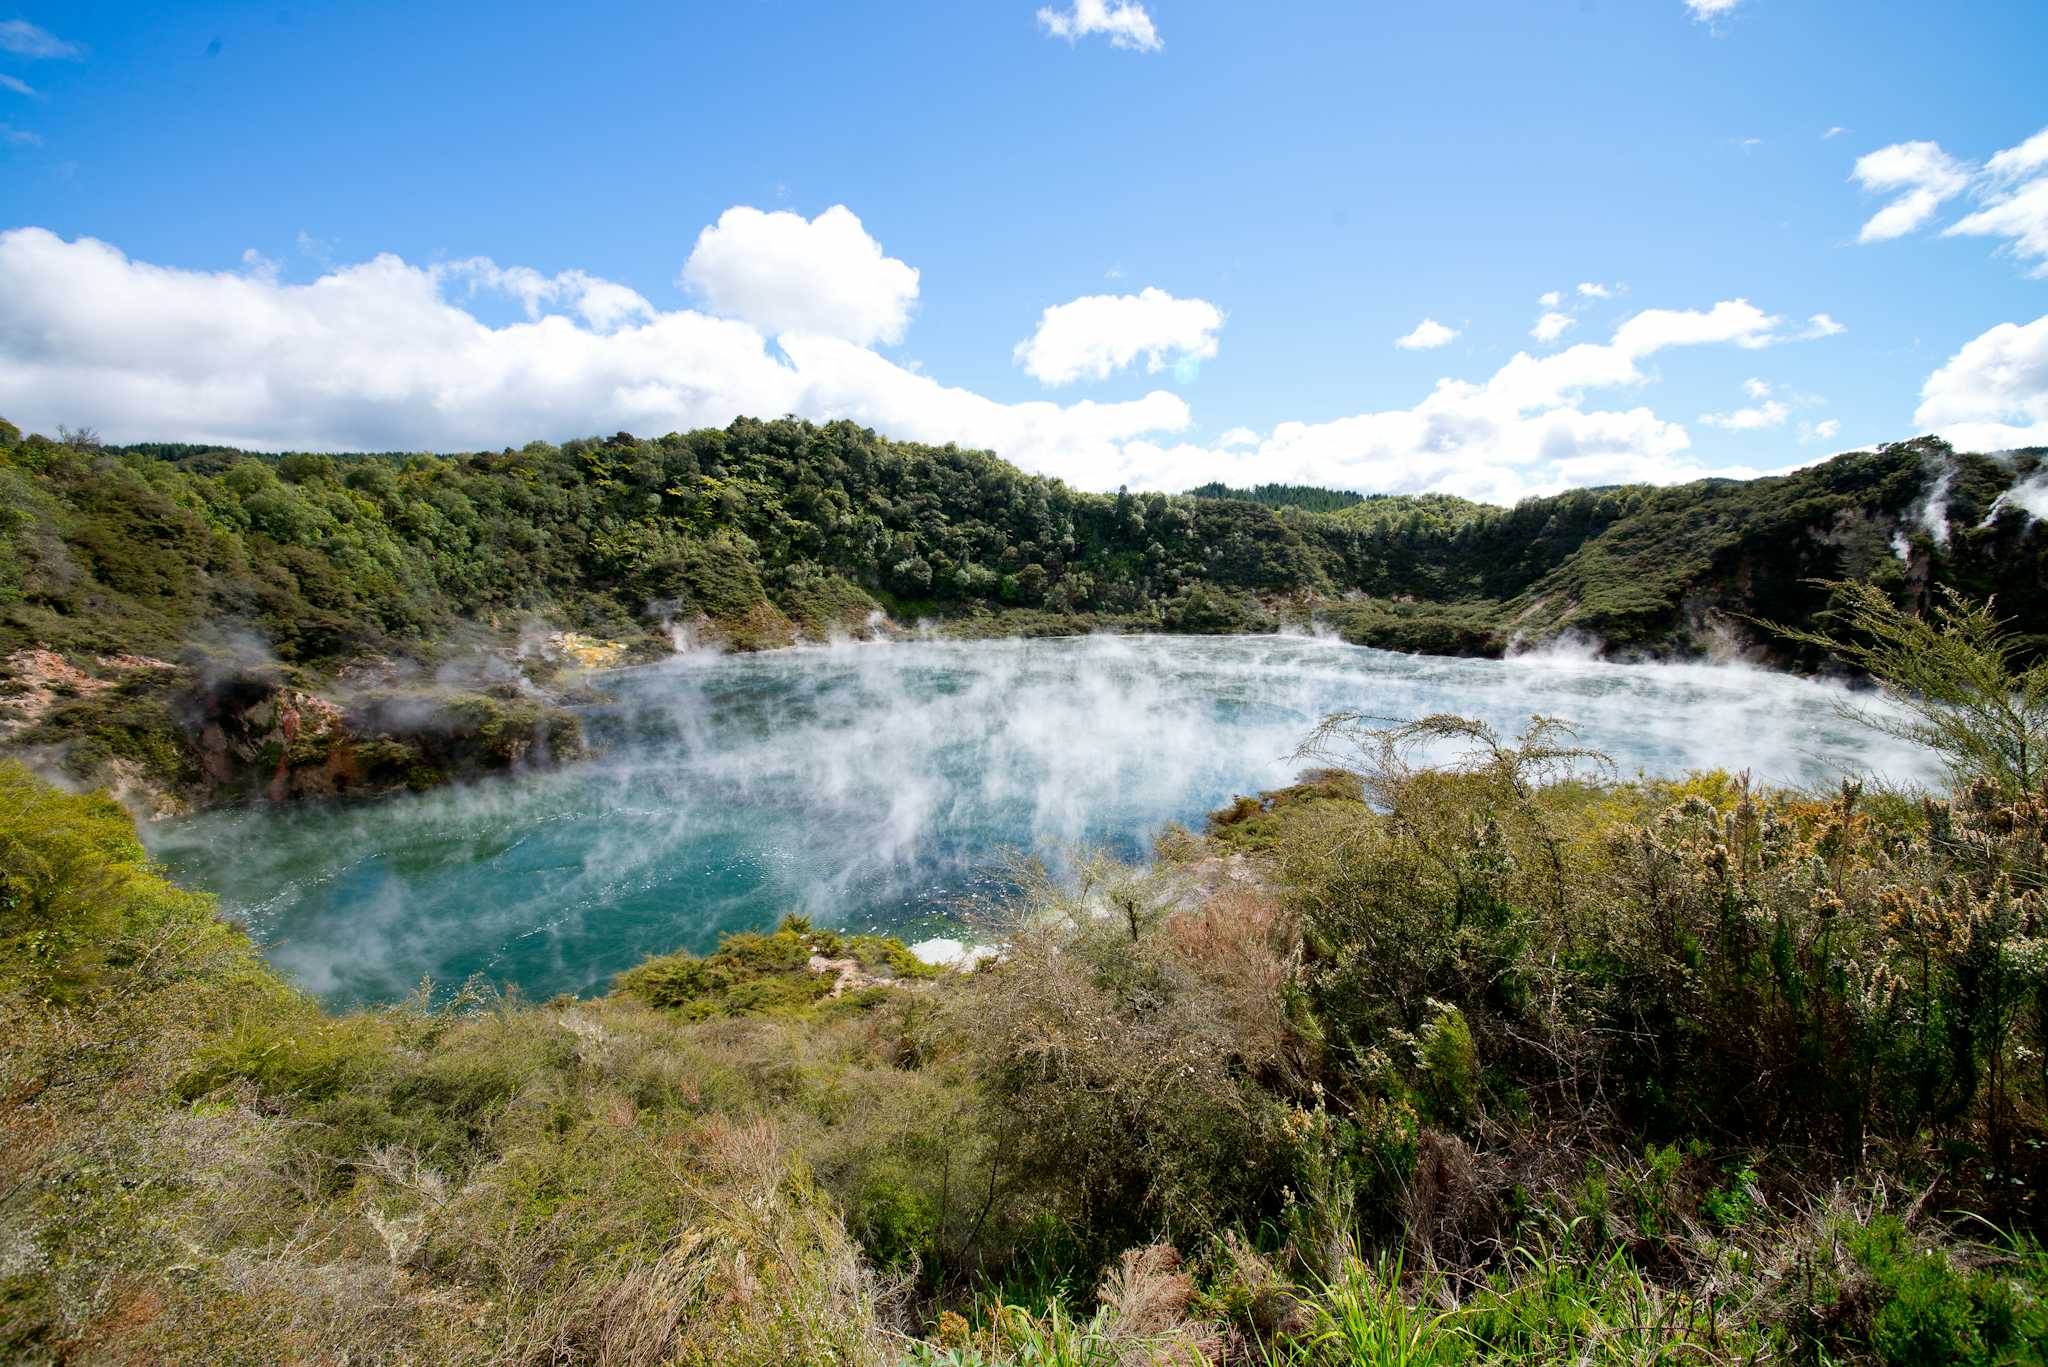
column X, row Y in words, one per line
column 768, row 529
column 1305, row 496
column 1497, row 1060
column 193, row 623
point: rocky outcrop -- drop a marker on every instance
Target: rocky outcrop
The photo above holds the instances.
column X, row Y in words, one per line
column 166, row 738
column 36, row 682
column 587, row 652
column 97, row 718
column 286, row 744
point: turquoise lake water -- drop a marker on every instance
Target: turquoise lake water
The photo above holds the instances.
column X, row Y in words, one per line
column 876, row 786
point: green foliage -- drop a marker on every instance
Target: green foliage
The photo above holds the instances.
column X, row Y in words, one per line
column 1913, row 1305
column 129, row 721
column 300, row 1056
column 750, row 530
column 1955, row 679
column 1650, row 1191
column 209, row 1168
column 1265, row 822
column 1879, row 963
column 752, row 973
column 1449, row 1066
column 1620, row 564
column 1363, row 1315
column 1414, row 514
column 1126, row 1052
column 505, row 730
column 1545, row 1306
column 1734, row 1203
column 766, row 528
column 79, row 899
column 1304, row 496
column 1463, row 627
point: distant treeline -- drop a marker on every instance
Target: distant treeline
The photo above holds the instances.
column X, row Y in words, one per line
column 1308, row 496
column 764, row 530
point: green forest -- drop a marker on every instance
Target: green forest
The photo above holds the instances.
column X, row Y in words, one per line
column 190, row 602
column 1307, row 496
column 770, row 529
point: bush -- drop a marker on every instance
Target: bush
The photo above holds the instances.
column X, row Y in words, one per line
column 754, row 973
column 1127, row 1058
column 1955, row 678
column 1450, row 1069
column 1923, row 1308
column 80, row 900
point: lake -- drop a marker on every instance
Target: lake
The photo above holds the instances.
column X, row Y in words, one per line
column 875, row 786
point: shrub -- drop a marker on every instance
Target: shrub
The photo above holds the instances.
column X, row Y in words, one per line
column 751, row 972
column 1954, row 678
column 1924, row 1308
column 1450, row 1069
column 80, row 900
column 1119, row 1076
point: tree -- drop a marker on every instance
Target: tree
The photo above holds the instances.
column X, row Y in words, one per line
column 1031, row 582
column 1952, row 680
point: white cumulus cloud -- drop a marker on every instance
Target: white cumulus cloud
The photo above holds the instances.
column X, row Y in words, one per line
column 1707, row 11
column 381, row 356
column 1124, row 22
column 1552, row 326
column 385, row 354
column 1590, row 290
column 1920, row 176
column 1093, row 337
column 1771, row 414
column 604, row 304
column 2011, row 188
column 1524, row 431
column 2030, row 158
column 1771, row 406
column 1992, row 395
column 784, row 273
column 2021, row 217
column 1428, row 335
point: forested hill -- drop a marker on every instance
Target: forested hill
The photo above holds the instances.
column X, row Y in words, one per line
column 764, row 532
column 769, row 529
column 1308, row 496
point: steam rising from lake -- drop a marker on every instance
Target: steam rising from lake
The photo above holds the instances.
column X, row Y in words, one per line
column 870, row 786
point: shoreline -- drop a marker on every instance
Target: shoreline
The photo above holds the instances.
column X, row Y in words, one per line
column 322, row 727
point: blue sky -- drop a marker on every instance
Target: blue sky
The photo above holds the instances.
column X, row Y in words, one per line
column 384, row 225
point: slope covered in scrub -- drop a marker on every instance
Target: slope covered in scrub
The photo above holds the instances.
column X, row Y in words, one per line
column 1496, row 1060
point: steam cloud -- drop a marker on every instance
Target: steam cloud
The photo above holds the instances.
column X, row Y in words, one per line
column 868, row 786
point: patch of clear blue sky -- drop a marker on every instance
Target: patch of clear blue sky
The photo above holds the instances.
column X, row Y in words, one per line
column 1328, row 173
